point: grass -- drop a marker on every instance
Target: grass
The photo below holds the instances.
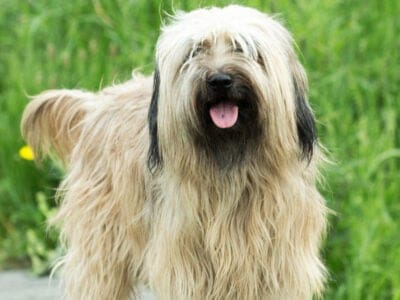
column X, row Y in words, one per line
column 351, row 50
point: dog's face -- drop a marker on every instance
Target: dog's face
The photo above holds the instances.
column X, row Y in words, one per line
column 228, row 84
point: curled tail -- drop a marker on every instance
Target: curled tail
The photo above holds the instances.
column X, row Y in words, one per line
column 52, row 121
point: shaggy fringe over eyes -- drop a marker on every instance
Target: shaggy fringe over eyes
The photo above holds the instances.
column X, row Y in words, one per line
column 239, row 45
column 243, row 45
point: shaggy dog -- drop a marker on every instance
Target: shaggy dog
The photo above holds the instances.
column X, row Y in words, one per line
column 199, row 182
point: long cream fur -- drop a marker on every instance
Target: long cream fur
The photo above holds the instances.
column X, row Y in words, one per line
column 188, row 230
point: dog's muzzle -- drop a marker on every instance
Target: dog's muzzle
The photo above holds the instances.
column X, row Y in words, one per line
column 224, row 112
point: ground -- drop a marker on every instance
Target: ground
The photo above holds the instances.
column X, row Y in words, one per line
column 20, row 285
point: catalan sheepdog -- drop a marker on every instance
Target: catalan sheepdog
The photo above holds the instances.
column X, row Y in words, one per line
column 198, row 182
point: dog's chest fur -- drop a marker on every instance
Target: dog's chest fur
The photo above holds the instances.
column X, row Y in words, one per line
column 220, row 241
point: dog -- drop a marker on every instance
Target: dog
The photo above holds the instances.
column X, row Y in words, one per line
column 198, row 182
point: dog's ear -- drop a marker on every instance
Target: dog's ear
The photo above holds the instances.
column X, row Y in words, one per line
column 154, row 158
column 306, row 129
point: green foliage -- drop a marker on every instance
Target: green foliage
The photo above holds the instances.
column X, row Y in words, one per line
column 351, row 50
column 41, row 253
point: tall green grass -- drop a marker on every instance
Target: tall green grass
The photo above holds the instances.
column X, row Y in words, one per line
column 351, row 50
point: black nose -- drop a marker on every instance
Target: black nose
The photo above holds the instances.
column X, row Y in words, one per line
column 219, row 81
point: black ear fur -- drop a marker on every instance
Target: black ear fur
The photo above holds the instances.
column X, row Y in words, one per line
column 154, row 160
column 306, row 129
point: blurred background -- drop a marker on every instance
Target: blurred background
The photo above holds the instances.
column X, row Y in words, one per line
column 351, row 51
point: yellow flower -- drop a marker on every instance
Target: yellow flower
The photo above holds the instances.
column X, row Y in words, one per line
column 26, row 153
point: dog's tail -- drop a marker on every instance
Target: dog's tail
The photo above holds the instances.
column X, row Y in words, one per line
column 52, row 121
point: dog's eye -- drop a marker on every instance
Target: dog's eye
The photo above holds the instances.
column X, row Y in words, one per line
column 193, row 53
column 237, row 48
column 260, row 60
column 196, row 51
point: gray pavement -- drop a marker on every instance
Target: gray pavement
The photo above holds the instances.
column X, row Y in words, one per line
column 20, row 285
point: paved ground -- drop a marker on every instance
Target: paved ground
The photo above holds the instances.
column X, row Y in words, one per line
column 20, row 285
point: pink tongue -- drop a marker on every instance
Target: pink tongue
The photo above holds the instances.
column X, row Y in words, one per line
column 224, row 114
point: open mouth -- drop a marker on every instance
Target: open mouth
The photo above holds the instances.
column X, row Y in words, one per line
column 224, row 114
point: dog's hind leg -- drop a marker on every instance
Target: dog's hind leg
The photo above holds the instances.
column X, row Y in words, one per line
column 102, row 209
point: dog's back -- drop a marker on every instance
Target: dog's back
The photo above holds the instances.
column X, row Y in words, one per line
column 54, row 120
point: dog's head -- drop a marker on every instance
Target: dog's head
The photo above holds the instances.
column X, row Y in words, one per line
column 227, row 84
